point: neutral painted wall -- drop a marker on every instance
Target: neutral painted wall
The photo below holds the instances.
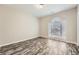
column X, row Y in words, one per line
column 71, row 17
column 78, row 25
column 16, row 25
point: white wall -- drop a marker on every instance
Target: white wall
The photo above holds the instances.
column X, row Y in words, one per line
column 16, row 25
column 71, row 17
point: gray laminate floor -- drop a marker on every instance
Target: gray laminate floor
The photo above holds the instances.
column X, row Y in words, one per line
column 40, row 46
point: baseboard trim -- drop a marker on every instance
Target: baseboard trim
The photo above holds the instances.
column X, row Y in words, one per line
column 18, row 41
column 36, row 38
column 61, row 40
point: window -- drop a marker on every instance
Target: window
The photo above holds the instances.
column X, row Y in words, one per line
column 57, row 28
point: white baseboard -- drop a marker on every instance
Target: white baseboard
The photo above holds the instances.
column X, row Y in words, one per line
column 17, row 41
column 61, row 40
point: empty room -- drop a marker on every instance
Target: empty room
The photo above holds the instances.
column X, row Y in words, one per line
column 39, row 29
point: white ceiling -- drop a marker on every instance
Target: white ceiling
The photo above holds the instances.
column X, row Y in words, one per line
column 47, row 10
